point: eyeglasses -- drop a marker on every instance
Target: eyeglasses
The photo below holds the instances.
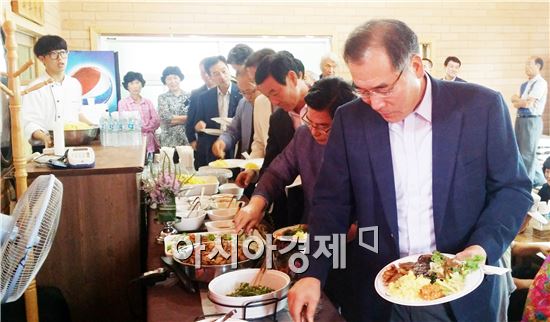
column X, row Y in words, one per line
column 248, row 92
column 55, row 54
column 381, row 93
column 322, row 128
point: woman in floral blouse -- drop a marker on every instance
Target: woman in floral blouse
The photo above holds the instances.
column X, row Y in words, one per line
column 133, row 83
column 537, row 306
column 173, row 107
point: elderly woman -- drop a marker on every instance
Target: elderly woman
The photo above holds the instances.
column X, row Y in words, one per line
column 173, row 106
column 133, row 82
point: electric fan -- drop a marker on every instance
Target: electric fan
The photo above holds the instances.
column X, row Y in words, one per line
column 27, row 235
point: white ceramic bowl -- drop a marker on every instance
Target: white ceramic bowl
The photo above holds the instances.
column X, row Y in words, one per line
column 210, row 186
column 220, row 225
column 222, row 213
column 192, row 223
column 231, row 188
column 216, row 318
column 189, row 201
column 224, row 284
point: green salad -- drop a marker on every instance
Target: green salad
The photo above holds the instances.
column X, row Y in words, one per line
column 245, row 289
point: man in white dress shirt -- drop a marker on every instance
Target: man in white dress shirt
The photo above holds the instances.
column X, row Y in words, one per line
column 422, row 165
column 59, row 101
column 530, row 104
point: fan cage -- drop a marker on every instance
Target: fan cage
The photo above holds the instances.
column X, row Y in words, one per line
column 38, row 213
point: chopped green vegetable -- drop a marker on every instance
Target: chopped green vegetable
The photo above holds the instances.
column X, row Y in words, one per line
column 246, row 289
column 472, row 264
column 437, row 257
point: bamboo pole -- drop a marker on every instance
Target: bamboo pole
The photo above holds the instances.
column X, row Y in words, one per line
column 17, row 141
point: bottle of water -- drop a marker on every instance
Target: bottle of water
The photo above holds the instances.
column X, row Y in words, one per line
column 110, row 129
column 131, row 129
column 115, row 129
column 137, row 128
column 104, row 128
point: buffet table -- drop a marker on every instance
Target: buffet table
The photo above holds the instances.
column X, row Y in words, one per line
column 169, row 302
column 528, row 237
column 96, row 251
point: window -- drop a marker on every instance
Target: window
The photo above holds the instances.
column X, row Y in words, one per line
column 149, row 55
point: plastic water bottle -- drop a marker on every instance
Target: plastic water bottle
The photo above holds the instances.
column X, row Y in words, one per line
column 115, row 129
column 126, row 132
column 137, row 129
column 132, row 138
column 103, row 128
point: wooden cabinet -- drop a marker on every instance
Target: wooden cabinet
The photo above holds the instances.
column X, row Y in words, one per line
column 96, row 251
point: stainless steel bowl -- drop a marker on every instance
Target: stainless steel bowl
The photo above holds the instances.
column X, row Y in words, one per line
column 79, row 137
column 206, row 273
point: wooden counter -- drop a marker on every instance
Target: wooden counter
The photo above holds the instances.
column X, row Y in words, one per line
column 96, row 251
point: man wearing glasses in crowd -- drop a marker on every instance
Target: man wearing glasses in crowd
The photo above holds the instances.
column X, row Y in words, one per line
column 303, row 156
column 60, row 100
column 433, row 165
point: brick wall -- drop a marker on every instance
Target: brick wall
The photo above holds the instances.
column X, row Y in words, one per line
column 492, row 39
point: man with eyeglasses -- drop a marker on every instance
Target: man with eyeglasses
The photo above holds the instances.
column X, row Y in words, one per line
column 428, row 164
column 58, row 101
column 303, row 154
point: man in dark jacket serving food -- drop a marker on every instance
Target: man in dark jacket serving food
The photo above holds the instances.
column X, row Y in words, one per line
column 427, row 164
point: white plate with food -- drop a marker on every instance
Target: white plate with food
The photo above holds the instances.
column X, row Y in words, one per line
column 226, row 163
column 292, row 233
column 222, row 120
column 216, row 132
column 253, row 164
column 428, row 279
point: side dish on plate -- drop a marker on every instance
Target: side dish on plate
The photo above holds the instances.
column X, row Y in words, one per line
column 296, row 232
column 431, row 277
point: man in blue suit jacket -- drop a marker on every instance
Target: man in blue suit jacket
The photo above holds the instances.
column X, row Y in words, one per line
column 430, row 164
column 208, row 107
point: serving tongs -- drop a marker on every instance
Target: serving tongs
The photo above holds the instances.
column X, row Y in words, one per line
column 258, row 278
column 226, row 316
column 193, row 208
column 231, row 201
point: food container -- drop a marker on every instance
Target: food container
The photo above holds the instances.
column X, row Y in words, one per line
column 265, row 304
column 232, row 189
column 206, row 273
column 214, row 319
column 220, row 225
column 189, row 222
column 222, row 174
column 225, row 201
column 210, row 187
column 79, row 137
column 222, row 213
column 283, row 238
